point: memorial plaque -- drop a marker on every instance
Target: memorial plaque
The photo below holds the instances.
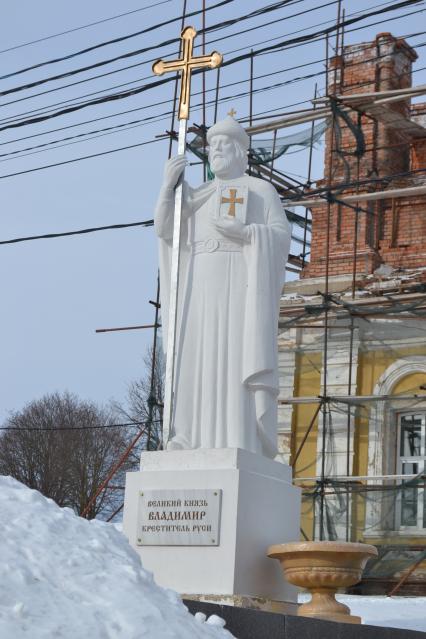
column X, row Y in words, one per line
column 179, row 517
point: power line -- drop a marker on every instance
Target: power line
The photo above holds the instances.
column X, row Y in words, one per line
column 236, row 96
column 165, row 101
column 70, row 126
column 128, row 36
column 68, row 428
column 305, row 28
column 149, row 223
column 127, row 126
column 131, row 66
column 372, row 24
column 95, row 229
column 50, row 108
column 131, row 146
column 158, row 117
column 85, row 157
column 84, row 26
column 267, row 24
column 219, row 25
column 131, row 92
column 43, row 111
column 298, row 40
column 280, row 46
column 225, row 98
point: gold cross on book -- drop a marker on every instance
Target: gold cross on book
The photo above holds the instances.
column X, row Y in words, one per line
column 232, row 200
column 187, row 63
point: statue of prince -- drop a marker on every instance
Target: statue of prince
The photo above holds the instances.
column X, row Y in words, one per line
column 235, row 240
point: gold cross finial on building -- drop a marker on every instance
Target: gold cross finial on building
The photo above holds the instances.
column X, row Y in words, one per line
column 187, row 63
column 232, row 112
column 232, row 200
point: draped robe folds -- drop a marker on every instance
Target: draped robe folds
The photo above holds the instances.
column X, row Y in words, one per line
column 226, row 375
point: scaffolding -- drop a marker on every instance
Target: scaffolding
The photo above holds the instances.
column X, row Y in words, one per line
column 344, row 506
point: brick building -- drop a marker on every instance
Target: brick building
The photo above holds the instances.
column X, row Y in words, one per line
column 393, row 231
column 360, row 451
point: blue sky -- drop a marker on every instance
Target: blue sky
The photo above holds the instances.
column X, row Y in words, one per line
column 55, row 293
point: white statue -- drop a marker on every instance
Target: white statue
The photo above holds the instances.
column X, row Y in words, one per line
column 235, row 240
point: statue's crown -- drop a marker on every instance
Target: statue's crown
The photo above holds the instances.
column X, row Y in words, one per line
column 232, row 128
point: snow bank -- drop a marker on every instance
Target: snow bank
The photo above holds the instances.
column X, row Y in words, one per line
column 63, row 576
column 393, row 612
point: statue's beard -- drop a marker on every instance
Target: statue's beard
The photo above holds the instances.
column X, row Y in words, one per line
column 224, row 166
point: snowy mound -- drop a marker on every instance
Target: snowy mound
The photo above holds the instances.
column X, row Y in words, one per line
column 63, row 576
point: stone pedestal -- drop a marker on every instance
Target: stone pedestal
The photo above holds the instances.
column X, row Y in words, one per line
column 258, row 507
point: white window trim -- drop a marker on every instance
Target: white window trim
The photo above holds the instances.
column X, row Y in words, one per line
column 420, row 459
column 382, row 413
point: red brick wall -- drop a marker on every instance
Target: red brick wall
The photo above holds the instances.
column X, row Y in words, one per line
column 394, row 233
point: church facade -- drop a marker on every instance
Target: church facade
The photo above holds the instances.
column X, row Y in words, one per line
column 352, row 353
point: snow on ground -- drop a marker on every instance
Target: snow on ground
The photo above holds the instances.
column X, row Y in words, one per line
column 64, row 577
column 394, row 612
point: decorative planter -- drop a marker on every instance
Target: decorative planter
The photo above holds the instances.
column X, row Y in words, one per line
column 323, row 567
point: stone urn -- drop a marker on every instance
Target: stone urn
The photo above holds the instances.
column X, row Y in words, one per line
column 323, row 567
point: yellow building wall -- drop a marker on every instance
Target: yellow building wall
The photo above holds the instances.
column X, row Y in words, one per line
column 371, row 365
column 307, row 384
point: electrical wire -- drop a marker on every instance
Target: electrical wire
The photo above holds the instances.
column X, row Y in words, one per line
column 209, row 42
column 84, row 26
column 224, row 99
column 85, row 157
column 219, row 25
column 257, row 27
column 128, row 36
column 70, row 126
column 95, row 229
column 286, row 47
column 132, row 92
column 150, row 119
column 277, row 46
column 158, row 118
column 255, row 44
column 141, row 108
column 387, row 178
column 72, row 428
column 38, row 168
column 38, row 110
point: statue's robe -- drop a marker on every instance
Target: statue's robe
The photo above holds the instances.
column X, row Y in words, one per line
column 226, row 376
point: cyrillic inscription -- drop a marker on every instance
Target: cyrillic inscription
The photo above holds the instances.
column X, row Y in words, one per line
column 179, row 517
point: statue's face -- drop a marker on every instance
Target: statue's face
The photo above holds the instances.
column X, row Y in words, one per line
column 222, row 154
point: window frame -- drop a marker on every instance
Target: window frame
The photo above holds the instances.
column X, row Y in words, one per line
column 400, row 460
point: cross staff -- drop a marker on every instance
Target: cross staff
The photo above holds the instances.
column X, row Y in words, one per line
column 186, row 64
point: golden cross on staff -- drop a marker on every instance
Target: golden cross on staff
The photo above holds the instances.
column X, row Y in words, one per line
column 232, row 112
column 187, row 63
column 232, row 200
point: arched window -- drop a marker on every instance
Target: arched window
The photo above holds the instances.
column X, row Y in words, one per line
column 397, row 432
column 411, row 458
